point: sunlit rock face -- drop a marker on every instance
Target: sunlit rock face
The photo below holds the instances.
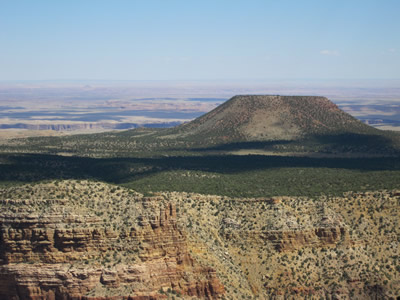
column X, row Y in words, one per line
column 123, row 245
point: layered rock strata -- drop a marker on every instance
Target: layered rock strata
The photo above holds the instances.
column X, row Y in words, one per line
column 67, row 256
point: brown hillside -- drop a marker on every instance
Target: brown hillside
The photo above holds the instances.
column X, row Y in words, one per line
column 270, row 118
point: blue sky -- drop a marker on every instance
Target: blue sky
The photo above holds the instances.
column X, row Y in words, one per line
column 199, row 40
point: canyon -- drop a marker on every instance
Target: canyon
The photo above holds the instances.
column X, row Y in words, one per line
column 89, row 240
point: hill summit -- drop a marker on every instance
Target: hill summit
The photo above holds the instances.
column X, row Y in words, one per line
column 270, row 118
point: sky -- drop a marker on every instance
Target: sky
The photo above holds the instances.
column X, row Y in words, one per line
column 199, row 39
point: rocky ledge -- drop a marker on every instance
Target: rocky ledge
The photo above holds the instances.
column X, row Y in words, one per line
column 59, row 250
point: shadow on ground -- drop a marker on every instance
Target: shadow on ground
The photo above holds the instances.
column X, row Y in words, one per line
column 36, row 167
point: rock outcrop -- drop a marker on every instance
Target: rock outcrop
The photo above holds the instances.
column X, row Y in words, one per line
column 296, row 247
column 67, row 256
column 93, row 241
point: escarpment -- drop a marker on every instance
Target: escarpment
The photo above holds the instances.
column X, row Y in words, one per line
column 297, row 247
column 49, row 251
column 89, row 240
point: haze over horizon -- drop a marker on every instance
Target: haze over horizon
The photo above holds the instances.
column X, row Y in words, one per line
column 207, row 40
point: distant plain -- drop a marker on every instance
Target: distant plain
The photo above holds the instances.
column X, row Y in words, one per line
column 41, row 108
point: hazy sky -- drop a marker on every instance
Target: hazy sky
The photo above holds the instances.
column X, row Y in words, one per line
column 199, row 39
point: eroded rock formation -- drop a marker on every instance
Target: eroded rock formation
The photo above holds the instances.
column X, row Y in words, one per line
column 89, row 240
column 68, row 256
